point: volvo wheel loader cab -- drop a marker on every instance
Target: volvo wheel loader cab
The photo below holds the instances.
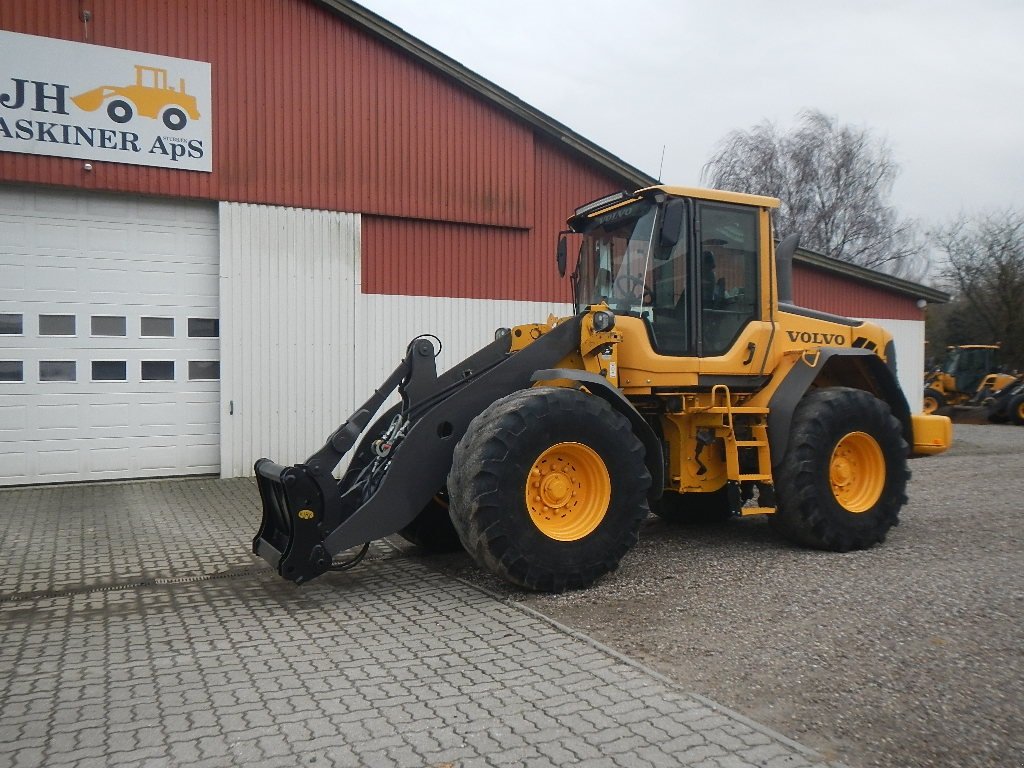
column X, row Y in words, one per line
column 686, row 382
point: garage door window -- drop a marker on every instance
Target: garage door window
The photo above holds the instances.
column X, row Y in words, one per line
column 162, row 327
column 11, row 370
column 10, row 324
column 108, row 325
column 158, row 370
column 57, row 370
column 109, row 370
column 56, row 325
column 203, row 327
column 203, row 370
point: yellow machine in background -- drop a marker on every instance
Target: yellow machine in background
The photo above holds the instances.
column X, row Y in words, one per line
column 1007, row 403
column 150, row 96
column 968, row 376
column 686, row 383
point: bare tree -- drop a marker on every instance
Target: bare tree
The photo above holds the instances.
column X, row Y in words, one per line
column 834, row 182
column 984, row 266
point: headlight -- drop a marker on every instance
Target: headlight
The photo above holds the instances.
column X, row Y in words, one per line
column 603, row 321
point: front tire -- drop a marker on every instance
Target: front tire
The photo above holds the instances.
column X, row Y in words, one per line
column 842, row 481
column 549, row 488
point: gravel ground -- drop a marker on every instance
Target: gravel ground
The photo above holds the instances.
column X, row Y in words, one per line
column 908, row 654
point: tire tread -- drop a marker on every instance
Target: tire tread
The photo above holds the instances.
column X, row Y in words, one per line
column 808, row 513
column 488, row 529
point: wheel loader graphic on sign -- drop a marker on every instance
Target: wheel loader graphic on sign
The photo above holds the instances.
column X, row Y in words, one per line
column 150, row 96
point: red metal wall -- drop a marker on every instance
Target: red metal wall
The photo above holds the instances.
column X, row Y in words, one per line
column 461, row 198
column 424, row 258
column 829, row 292
column 309, row 111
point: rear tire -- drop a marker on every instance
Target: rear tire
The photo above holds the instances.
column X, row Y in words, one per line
column 432, row 528
column 694, row 508
column 549, row 488
column 1015, row 410
column 843, row 479
column 933, row 400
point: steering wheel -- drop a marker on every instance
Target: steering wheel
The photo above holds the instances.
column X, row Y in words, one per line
column 634, row 289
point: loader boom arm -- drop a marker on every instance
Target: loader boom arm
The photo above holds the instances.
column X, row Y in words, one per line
column 309, row 516
column 308, row 491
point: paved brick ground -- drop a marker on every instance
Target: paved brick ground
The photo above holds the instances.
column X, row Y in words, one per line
column 85, row 536
column 135, row 630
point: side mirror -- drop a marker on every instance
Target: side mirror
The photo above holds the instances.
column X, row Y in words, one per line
column 560, row 256
column 673, row 223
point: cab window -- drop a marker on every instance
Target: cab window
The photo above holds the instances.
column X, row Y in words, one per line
column 728, row 274
column 668, row 311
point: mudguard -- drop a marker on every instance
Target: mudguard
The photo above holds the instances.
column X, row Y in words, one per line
column 863, row 368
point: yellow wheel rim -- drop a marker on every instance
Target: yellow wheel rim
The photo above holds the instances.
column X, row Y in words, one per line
column 1020, row 411
column 568, row 491
column 857, row 472
column 931, row 405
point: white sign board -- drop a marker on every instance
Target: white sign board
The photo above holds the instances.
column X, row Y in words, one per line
column 96, row 103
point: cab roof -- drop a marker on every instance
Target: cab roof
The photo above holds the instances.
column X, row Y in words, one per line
column 717, row 195
column 615, row 200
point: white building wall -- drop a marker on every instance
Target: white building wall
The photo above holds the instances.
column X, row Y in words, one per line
column 908, row 336
column 303, row 347
column 386, row 324
column 287, row 278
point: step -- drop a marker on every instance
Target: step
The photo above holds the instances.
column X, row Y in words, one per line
column 747, row 409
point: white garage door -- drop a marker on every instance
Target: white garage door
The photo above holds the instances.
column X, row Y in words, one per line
column 109, row 337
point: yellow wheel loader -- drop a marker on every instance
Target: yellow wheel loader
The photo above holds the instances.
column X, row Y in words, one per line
column 686, row 383
column 968, row 376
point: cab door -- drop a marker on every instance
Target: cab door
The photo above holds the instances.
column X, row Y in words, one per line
column 732, row 320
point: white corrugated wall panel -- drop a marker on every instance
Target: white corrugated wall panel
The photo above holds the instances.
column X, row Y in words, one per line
column 908, row 336
column 303, row 347
column 288, row 284
column 386, row 324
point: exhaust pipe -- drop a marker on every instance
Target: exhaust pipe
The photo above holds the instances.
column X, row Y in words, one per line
column 784, row 267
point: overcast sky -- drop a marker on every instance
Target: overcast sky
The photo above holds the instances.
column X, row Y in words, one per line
column 942, row 82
